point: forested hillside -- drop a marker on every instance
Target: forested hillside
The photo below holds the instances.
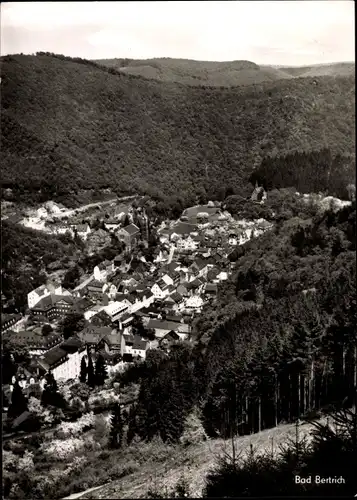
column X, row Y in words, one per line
column 312, row 171
column 279, row 345
column 70, row 124
column 26, row 255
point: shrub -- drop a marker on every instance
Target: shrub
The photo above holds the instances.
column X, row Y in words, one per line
column 194, row 432
column 62, row 450
column 72, row 429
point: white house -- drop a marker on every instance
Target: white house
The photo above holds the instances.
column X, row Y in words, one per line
column 42, row 212
column 63, row 361
column 36, row 295
column 100, row 272
column 160, row 289
column 112, row 225
column 92, row 312
column 143, row 299
column 110, row 289
column 116, row 309
column 194, row 302
column 83, row 230
column 187, row 244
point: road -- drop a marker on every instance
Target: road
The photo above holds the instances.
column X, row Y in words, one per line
column 74, row 211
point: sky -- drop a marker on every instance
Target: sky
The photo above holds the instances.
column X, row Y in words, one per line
column 265, row 32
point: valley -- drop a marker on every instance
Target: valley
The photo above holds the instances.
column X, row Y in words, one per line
column 178, row 277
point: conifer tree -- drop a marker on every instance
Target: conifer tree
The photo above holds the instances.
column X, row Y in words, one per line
column 100, row 371
column 18, row 402
column 131, row 425
column 51, row 395
column 116, row 431
column 84, row 370
column 90, row 372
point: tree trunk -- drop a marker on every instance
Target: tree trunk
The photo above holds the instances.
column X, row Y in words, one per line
column 276, row 389
column 311, row 403
column 259, row 414
column 299, row 395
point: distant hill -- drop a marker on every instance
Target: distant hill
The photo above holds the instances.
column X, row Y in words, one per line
column 73, row 124
column 333, row 69
column 189, row 72
column 211, row 73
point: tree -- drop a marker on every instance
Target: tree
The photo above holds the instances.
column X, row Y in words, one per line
column 8, row 367
column 18, row 402
column 72, row 276
column 132, row 428
column 50, row 395
column 83, row 374
column 126, row 221
column 46, row 330
column 100, row 371
column 72, row 324
column 90, row 372
column 116, row 430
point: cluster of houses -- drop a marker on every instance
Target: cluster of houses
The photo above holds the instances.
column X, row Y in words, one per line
column 164, row 295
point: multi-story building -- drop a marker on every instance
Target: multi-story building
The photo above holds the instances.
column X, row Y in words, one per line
column 53, row 307
column 130, row 235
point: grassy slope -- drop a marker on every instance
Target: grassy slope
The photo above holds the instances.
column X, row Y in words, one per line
column 194, row 463
column 188, row 72
column 77, row 126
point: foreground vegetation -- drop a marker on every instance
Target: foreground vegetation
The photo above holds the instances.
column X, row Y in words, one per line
column 332, row 453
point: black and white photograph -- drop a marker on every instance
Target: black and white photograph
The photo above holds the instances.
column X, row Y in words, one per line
column 178, row 249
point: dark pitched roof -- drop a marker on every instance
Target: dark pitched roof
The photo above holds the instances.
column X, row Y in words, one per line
column 126, row 317
column 40, row 290
column 139, row 343
column 183, row 228
column 82, row 304
column 176, row 297
column 162, row 325
column 174, row 318
column 113, row 339
column 54, row 355
column 132, row 229
column 95, row 284
column 49, row 301
column 81, row 228
column 72, row 344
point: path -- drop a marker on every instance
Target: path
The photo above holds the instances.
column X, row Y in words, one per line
column 79, row 495
column 74, row 211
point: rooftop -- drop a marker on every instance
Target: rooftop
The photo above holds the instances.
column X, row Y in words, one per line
column 131, row 229
column 54, row 355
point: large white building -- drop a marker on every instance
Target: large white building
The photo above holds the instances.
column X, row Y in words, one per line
column 63, row 361
column 36, row 295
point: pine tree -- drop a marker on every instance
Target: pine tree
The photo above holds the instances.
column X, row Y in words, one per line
column 131, row 425
column 100, row 371
column 50, row 394
column 90, row 372
column 84, row 370
column 18, row 402
column 116, row 431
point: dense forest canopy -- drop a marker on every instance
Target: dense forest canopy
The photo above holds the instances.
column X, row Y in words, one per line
column 70, row 124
